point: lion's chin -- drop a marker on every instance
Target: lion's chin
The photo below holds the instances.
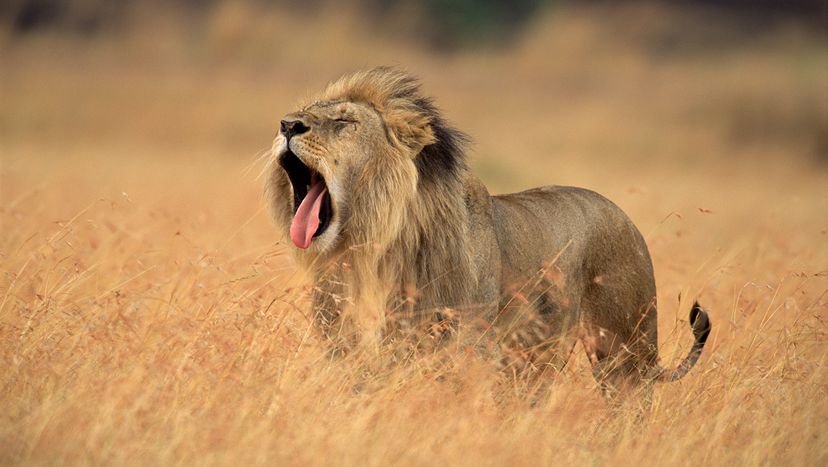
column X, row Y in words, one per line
column 312, row 203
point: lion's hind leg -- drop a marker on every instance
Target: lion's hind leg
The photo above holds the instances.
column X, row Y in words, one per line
column 532, row 369
column 537, row 343
column 621, row 367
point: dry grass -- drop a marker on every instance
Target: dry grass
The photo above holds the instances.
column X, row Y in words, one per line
column 148, row 316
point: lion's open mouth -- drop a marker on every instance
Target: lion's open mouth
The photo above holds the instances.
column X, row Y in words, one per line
column 312, row 207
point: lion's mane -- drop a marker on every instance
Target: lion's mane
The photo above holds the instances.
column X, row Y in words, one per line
column 406, row 219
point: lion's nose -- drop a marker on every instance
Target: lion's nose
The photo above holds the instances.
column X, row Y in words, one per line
column 293, row 127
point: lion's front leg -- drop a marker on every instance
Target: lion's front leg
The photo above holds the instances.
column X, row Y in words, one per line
column 328, row 300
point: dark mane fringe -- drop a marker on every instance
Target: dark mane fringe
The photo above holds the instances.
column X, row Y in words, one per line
column 389, row 90
column 446, row 157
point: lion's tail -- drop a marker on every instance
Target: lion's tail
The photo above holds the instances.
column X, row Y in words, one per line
column 700, row 323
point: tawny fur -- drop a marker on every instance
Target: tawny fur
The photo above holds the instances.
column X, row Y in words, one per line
column 416, row 239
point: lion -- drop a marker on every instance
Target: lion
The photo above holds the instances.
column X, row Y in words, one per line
column 372, row 187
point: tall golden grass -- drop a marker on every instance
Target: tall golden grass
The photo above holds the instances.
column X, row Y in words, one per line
column 149, row 315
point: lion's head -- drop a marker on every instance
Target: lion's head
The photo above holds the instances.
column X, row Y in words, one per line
column 349, row 165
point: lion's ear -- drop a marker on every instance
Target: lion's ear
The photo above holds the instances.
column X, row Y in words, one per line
column 412, row 129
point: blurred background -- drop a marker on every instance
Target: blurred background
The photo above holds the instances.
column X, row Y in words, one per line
column 684, row 104
column 653, row 82
column 143, row 287
column 669, row 108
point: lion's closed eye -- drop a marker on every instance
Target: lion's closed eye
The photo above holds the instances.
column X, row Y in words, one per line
column 340, row 124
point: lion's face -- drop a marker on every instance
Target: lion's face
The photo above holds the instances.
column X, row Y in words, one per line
column 328, row 155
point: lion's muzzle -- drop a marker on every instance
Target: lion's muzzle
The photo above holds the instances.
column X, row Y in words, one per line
column 312, row 207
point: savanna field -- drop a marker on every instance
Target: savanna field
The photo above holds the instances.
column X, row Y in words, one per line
column 151, row 315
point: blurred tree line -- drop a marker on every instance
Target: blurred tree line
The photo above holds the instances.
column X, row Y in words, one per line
column 442, row 23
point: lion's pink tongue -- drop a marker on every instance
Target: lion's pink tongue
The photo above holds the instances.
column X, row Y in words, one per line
column 306, row 220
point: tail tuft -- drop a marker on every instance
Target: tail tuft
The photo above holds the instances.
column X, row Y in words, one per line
column 700, row 322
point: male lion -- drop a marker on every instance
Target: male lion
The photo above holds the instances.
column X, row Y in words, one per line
column 371, row 186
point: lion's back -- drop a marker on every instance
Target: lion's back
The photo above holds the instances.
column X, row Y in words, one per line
column 584, row 232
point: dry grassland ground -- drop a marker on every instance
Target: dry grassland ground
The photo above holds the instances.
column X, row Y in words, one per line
column 149, row 315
